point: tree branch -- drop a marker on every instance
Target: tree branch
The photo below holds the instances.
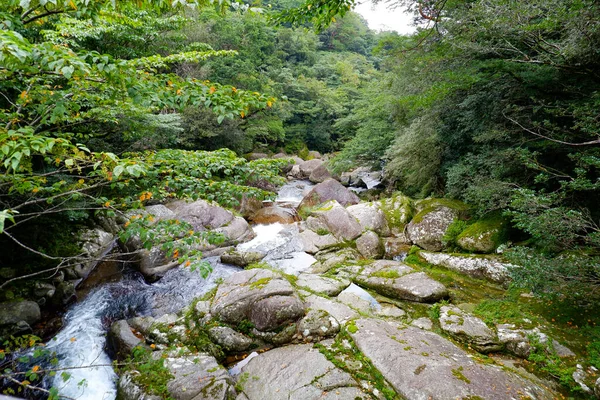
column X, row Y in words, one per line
column 589, row 143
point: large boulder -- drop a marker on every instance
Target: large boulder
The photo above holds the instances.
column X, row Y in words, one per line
column 423, row 365
column 16, row 317
column 485, row 235
column 428, row 227
column 322, row 284
column 298, row 372
column 229, row 339
column 307, row 167
column 313, row 242
column 399, row 281
column 397, row 210
column 241, row 258
column 519, row 341
column 329, row 190
column 272, row 214
column 333, row 218
column 94, row 244
column 340, row 311
column 489, row 268
column 201, row 214
column 468, row 329
column 370, row 217
column 121, row 340
column 261, row 296
column 320, row 174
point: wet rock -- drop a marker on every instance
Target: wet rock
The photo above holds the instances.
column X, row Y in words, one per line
column 236, row 231
column 273, row 312
column 320, row 174
column 426, row 357
column 65, row 293
column 272, row 214
column 17, row 316
column 329, row 190
column 318, row 324
column 260, row 295
column 399, row 281
column 423, row 323
column 369, row 245
column 428, row 227
column 321, row 284
column 249, row 206
column 297, row 372
column 241, row 258
column 518, row 341
column 312, row 242
column 370, row 217
column 334, row 218
column 121, row 340
column 481, row 267
column 229, row 339
column 468, row 329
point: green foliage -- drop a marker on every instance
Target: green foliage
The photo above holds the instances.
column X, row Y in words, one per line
column 152, row 375
column 454, row 230
column 544, row 358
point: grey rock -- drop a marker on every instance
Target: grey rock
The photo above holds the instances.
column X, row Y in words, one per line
column 490, row 268
column 318, row 324
column 283, row 336
column 335, row 219
column 395, row 247
column 202, row 308
column 597, row 388
column 468, row 329
column 274, row 311
column 15, row 311
column 390, row 310
column 427, row 228
column 312, row 242
column 44, row 289
column 423, row 323
column 426, row 357
column 305, row 168
column 198, row 377
column 160, row 212
column 241, row 258
column 341, row 312
column 370, row 217
column 369, row 245
column 121, row 339
column 328, row 260
column 297, row 372
column 273, row 214
column 256, row 156
column 236, row 231
column 398, row 210
column 142, row 324
column 94, row 243
column 200, row 214
column 238, row 296
column 518, row 341
column 314, row 154
column 229, row 339
column 399, row 281
column 329, row 190
column 321, row 284
column 65, row 293
column 319, row 174
column 127, row 389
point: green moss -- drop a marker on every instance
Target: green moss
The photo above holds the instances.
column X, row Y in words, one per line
column 397, row 210
column 352, row 327
column 489, row 232
column 260, row 283
column 322, row 232
column 386, row 273
column 457, row 372
column 150, row 374
column 429, row 205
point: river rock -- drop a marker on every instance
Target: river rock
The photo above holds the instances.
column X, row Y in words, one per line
column 241, row 258
column 256, row 156
column 160, row 212
column 65, row 293
column 201, row 214
column 317, row 325
column 392, row 311
column 423, row 323
column 229, row 339
column 43, row 289
column 272, row 214
column 127, row 389
column 398, row 211
column 319, row 174
column 198, row 377
column 17, row 316
column 435, row 368
column 518, row 341
column 399, row 281
column 314, row 154
column 329, row 190
column 428, row 227
column 370, row 217
column 340, row 311
column 94, row 243
column 297, row 372
column 121, row 340
column 396, row 247
column 312, row 242
column 329, row 259
column 481, row 267
column 468, row 329
column 249, row 206
column 307, row 167
column 485, row 235
column 236, row 231
column 262, row 296
column 369, row 245
column 334, row 218
column 597, row 388
column 322, row 284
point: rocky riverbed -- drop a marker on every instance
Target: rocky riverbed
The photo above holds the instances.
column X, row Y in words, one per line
column 321, row 297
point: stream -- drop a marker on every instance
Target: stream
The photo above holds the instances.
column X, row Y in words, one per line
column 80, row 344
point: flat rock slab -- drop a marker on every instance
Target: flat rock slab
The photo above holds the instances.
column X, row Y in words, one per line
column 481, row 267
column 321, row 284
column 399, row 281
column 198, row 377
column 297, row 372
column 468, row 329
column 339, row 311
column 422, row 365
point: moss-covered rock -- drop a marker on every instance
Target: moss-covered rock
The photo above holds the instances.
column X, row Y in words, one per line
column 485, row 235
column 398, row 211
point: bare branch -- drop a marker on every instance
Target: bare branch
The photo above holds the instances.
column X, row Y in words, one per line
column 589, row 143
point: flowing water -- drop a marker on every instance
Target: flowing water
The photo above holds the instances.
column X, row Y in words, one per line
column 80, row 345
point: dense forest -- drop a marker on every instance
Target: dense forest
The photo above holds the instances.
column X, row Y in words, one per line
column 108, row 106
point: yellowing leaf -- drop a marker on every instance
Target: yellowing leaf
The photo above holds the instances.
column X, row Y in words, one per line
column 72, row 4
